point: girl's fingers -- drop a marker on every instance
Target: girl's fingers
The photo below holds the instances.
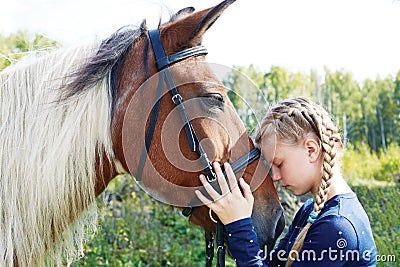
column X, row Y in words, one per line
column 248, row 195
column 231, row 178
column 225, row 187
column 204, row 199
column 210, row 190
column 221, row 178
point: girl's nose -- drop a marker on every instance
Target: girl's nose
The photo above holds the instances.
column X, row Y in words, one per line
column 276, row 174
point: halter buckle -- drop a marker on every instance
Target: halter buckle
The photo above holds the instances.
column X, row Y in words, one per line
column 177, row 99
column 211, row 179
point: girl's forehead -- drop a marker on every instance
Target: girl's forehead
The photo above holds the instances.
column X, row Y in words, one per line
column 268, row 148
column 274, row 150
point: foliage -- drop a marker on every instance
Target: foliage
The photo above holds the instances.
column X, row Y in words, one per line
column 363, row 164
column 15, row 46
column 390, row 164
column 381, row 205
column 366, row 112
column 138, row 231
column 360, row 162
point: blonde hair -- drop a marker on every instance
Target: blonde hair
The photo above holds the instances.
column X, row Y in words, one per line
column 47, row 159
column 291, row 120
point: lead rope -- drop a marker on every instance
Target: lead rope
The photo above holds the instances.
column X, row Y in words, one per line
column 220, row 244
column 220, row 236
column 209, row 248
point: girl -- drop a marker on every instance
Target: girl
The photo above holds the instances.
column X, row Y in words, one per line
column 300, row 142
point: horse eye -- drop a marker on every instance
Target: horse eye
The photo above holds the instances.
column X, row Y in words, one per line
column 215, row 100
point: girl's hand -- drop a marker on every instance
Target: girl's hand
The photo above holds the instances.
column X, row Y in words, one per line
column 231, row 205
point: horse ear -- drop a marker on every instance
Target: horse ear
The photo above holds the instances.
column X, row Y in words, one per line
column 182, row 13
column 186, row 29
column 208, row 20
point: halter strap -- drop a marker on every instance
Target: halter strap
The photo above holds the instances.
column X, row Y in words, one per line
column 163, row 62
column 237, row 166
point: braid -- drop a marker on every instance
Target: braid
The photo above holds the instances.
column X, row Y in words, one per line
column 292, row 119
column 328, row 145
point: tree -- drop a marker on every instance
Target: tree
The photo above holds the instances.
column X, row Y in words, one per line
column 365, row 112
column 245, row 94
column 342, row 98
column 15, row 46
column 387, row 112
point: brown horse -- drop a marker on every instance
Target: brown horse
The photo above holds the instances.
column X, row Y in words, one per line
column 73, row 119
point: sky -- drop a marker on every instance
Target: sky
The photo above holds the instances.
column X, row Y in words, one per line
column 359, row 36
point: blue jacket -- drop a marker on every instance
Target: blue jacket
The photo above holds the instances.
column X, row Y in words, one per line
column 341, row 236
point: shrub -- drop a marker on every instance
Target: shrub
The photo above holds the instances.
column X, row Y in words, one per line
column 382, row 204
column 135, row 230
column 362, row 163
column 389, row 164
column 359, row 163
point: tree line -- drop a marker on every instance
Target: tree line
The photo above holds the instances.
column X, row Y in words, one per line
column 366, row 112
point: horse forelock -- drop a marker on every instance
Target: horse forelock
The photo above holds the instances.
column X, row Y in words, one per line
column 105, row 61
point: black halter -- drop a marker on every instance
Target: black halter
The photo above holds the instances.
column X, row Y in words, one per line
column 163, row 62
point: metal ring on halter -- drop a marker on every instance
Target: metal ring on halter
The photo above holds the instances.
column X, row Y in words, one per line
column 176, row 96
column 211, row 216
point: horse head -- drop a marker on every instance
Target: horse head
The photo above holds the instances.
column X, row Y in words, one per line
column 171, row 169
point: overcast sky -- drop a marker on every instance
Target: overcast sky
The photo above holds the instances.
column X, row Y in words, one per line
column 360, row 36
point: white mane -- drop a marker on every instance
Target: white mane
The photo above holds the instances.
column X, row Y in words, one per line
column 48, row 150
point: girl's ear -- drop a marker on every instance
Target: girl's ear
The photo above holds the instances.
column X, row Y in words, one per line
column 313, row 149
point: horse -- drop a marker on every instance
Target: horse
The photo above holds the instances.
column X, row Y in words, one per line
column 75, row 118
